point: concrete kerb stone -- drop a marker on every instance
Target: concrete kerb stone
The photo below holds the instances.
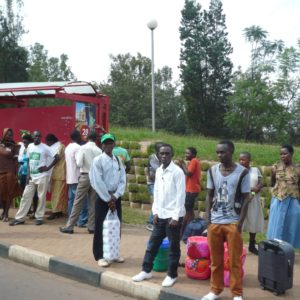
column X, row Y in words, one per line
column 172, row 294
column 93, row 276
column 29, row 257
column 124, row 284
column 4, row 250
column 82, row 273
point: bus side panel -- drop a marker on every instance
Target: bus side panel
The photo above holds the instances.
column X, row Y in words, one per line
column 59, row 120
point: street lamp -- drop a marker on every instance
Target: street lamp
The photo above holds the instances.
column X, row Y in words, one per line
column 152, row 25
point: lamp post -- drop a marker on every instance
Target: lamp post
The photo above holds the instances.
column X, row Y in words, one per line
column 152, row 25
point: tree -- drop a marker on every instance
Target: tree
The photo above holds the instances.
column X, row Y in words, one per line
column 253, row 112
column 129, row 88
column 13, row 58
column 205, row 66
column 43, row 68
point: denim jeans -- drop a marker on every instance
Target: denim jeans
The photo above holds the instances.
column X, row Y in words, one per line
column 150, row 191
column 83, row 217
column 160, row 231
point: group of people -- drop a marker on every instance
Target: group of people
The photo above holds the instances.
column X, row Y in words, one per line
column 96, row 178
column 232, row 205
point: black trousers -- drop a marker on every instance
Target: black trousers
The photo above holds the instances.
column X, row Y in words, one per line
column 101, row 210
column 160, row 231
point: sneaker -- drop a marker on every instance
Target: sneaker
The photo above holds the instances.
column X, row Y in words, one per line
column 103, row 263
column 168, row 281
column 142, row 276
column 150, row 227
column 237, row 298
column 39, row 222
column 66, row 230
column 119, row 260
column 210, row 296
column 16, row 222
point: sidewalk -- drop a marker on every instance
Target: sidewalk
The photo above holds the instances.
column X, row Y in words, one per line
column 77, row 248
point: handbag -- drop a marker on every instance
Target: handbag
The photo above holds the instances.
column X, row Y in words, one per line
column 111, row 236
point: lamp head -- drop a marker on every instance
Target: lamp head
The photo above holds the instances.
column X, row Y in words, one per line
column 152, row 24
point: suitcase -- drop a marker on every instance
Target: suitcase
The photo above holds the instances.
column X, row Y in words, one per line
column 275, row 265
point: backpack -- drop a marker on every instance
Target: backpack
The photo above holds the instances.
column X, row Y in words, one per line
column 238, row 201
column 195, row 227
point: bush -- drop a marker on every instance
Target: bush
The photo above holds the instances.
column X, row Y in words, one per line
column 140, row 197
column 142, row 162
column 201, row 206
column 143, row 189
column 134, row 145
column 125, row 197
column 135, row 153
column 133, row 187
column 204, row 175
column 131, row 179
column 140, row 170
column 205, row 166
column 266, row 181
column 203, row 185
column 202, row 195
column 142, row 179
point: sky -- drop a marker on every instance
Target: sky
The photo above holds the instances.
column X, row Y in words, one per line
column 89, row 31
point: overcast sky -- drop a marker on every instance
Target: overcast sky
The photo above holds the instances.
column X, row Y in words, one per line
column 89, row 31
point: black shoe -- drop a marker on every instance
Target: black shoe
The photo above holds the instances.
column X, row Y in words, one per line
column 82, row 225
column 66, row 230
column 252, row 248
column 91, row 231
column 16, row 222
column 39, row 222
column 55, row 215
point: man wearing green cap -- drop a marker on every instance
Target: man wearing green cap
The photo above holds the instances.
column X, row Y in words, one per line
column 108, row 178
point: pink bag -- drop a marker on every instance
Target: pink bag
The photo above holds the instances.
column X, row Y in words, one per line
column 197, row 268
column 197, row 247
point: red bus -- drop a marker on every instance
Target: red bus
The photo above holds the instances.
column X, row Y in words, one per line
column 53, row 107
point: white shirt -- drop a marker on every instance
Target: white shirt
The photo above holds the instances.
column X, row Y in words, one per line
column 107, row 174
column 39, row 155
column 169, row 192
column 72, row 170
column 85, row 156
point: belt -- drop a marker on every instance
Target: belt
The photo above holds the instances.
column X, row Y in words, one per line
column 83, row 173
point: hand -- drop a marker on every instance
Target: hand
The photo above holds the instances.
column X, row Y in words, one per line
column 113, row 197
column 239, row 227
column 43, row 169
column 155, row 219
column 173, row 223
column 112, row 205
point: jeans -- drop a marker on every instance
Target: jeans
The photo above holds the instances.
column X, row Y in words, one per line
column 101, row 210
column 150, row 191
column 160, row 231
column 83, row 217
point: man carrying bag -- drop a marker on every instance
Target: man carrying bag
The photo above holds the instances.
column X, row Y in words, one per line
column 108, row 179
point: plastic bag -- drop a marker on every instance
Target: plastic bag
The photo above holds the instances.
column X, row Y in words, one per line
column 111, row 236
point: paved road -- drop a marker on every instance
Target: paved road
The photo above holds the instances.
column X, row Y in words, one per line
column 20, row 282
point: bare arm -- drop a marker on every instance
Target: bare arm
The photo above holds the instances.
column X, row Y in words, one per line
column 273, row 177
column 244, row 210
column 208, row 204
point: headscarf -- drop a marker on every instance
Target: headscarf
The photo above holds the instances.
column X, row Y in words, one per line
column 7, row 141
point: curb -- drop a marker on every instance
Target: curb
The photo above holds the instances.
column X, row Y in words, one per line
column 93, row 276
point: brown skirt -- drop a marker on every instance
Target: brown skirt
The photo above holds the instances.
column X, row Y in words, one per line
column 9, row 187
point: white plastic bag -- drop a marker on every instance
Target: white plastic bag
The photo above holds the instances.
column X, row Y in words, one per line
column 111, row 236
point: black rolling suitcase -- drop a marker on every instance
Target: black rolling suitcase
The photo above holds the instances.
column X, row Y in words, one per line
column 275, row 265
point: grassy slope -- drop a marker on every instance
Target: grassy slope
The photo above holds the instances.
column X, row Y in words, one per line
column 262, row 154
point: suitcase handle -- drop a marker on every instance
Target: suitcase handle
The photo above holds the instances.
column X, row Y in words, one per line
column 274, row 245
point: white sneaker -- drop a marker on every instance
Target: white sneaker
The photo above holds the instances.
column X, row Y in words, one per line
column 103, row 263
column 237, row 298
column 119, row 260
column 168, row 281
column 210, row 296
column 150, row 227
column 142, row 276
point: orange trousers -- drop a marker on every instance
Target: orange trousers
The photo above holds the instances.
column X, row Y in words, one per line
column 217, row 235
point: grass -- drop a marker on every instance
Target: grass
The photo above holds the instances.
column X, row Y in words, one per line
column 134, row 216
column 262, row 154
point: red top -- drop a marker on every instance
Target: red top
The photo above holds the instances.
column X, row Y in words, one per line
column 193, row 182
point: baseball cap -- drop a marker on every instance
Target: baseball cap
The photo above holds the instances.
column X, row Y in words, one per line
column 107, row 136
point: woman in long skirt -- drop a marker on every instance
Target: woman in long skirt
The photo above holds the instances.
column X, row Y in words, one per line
column 284, row 220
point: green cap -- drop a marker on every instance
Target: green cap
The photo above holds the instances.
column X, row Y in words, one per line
column 107, row 136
